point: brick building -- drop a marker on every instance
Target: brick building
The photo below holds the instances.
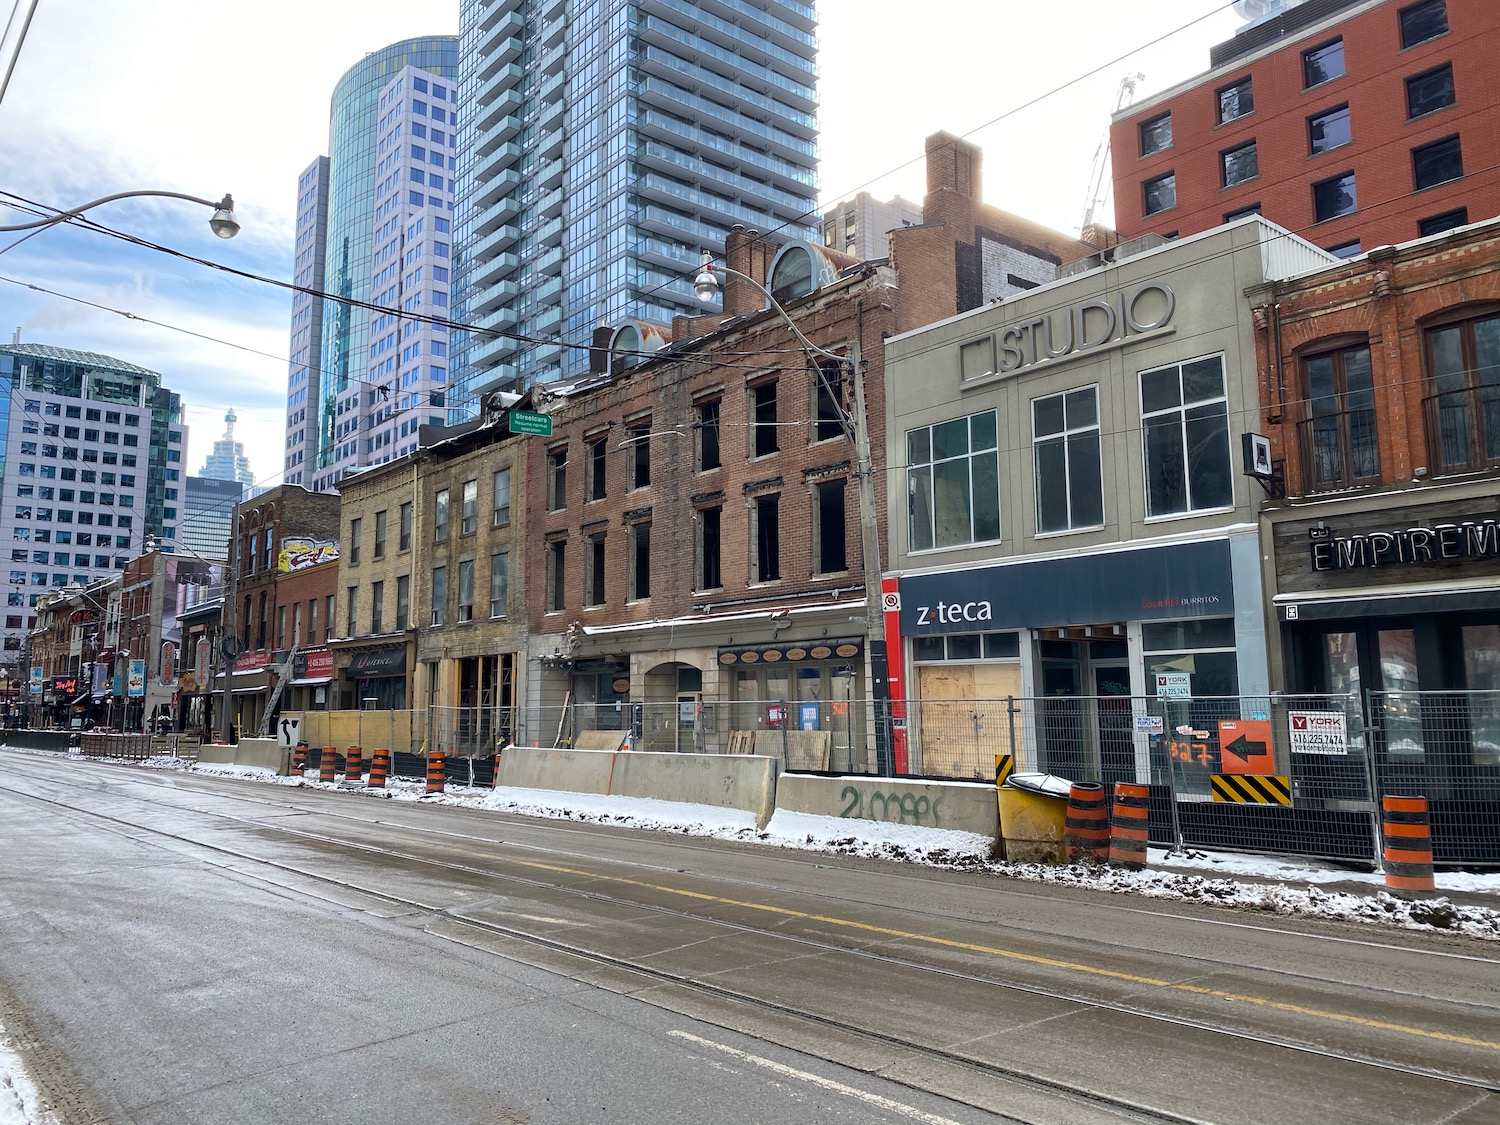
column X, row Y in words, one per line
column 1380, row 395
column 277, row 535
column 1378, row 381
column 698, row 522
column 1354, row 123
column 432, row 579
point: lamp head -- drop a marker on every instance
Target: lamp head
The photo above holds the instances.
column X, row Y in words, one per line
column 223, row 223
column 706, row 284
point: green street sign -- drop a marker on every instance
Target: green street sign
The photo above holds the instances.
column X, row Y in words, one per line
column 529, row 422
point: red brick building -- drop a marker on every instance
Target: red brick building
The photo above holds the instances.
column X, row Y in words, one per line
column 275, row 607
column 1354, row 123
column 1381, row 391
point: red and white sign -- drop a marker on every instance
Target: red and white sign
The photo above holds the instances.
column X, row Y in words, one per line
column 1318, row 732
column 319, row 664
column 251, row 661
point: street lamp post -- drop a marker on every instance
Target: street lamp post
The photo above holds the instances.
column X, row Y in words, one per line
column 223, row 223
column 706, row 286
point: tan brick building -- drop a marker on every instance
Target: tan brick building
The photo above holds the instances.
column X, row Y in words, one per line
column 431, row 606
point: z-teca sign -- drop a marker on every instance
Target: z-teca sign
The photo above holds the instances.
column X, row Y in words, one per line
column 1318, row 732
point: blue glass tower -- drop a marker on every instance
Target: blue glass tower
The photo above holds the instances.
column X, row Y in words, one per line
column 336, row 228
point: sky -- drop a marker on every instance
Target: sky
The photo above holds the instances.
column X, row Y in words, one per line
column 177, row 95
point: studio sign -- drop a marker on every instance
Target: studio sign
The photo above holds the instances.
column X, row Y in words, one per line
column 1445, row 542
column 1086, row 326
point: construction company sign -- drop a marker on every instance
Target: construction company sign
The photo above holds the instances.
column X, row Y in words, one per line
column 1318, row 732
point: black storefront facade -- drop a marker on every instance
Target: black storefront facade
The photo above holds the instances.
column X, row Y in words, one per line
column 1396, row 600
column 377, row 678
column 1082, row 643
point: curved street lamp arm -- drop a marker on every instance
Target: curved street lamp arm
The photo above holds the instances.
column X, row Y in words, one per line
column 709, row 266
column 225, row 204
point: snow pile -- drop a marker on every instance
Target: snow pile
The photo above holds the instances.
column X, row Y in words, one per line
column 20, row 1104
column 1272, row 898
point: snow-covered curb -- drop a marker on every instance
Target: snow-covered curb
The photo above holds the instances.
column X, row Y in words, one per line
column 20, row 1104
column 1294, row 892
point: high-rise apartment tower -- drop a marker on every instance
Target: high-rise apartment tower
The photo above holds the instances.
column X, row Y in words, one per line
column 602, row 144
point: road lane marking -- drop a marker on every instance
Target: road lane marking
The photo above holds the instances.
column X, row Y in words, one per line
column 785, row 1071
column 1028, row 958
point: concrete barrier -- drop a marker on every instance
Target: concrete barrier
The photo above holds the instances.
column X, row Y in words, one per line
column 745, row 782
column 261, row 752
column 265, row 753
column 216, row 754
column 954, row 805
column 569, row 771
column 725, row 781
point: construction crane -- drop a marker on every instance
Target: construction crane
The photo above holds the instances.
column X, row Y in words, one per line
column 1099, row 181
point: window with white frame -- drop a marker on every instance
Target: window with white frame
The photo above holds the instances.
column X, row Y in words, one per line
column 1185, row 438
column 953, row 482
column 1065, row 444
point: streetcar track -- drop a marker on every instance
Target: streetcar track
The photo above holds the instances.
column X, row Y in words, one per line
column 1481, row 1085
column 1319, row 935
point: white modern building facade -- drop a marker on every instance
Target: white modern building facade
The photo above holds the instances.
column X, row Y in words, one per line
column 373, row 221
column 860, row 227
column 92, row 468
column 601, row 146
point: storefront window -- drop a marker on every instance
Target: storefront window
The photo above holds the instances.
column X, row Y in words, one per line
column 1203, row 649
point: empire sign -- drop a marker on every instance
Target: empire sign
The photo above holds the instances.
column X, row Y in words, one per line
column 1440, row 543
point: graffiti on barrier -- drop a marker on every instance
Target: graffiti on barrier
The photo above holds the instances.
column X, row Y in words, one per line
column 900, row 808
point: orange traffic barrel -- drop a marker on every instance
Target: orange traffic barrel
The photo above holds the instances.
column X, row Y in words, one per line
column 380, row 766
column 434, row 771
column 328, row 764
column 1086, row 829
column 299, row 758
column 1407, row 856
column 1127, row 826
column 354, row 771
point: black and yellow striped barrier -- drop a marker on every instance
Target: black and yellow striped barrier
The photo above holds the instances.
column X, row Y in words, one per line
column 1251, row 789
column 1005, row 765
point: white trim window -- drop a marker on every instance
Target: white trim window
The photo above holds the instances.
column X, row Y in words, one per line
column 1065, row 445
column 1185, row 438
column 953, row 483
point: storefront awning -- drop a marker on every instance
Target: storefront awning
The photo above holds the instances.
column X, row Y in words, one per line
column 308, row 681
column 377, row 662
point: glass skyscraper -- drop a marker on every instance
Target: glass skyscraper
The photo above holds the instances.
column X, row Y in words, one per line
column 329, row 403
column 602, row 144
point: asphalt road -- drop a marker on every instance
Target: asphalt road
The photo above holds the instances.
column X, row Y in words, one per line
column 180, row 948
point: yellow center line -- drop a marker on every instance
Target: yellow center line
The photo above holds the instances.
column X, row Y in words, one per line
column 1017, row 955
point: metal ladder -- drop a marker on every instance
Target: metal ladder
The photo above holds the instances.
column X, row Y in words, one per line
column 283, row 675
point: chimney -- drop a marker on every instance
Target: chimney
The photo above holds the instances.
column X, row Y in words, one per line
column 599, row 350
column 953, row 164
column 15, row 340
column 746, row 252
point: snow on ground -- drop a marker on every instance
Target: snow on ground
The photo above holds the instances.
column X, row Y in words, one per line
column 20, row 1104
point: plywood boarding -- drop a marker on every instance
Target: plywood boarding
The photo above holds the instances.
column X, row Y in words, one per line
column 962, row 720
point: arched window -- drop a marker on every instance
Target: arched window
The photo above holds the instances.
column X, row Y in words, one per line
column 792, row 274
